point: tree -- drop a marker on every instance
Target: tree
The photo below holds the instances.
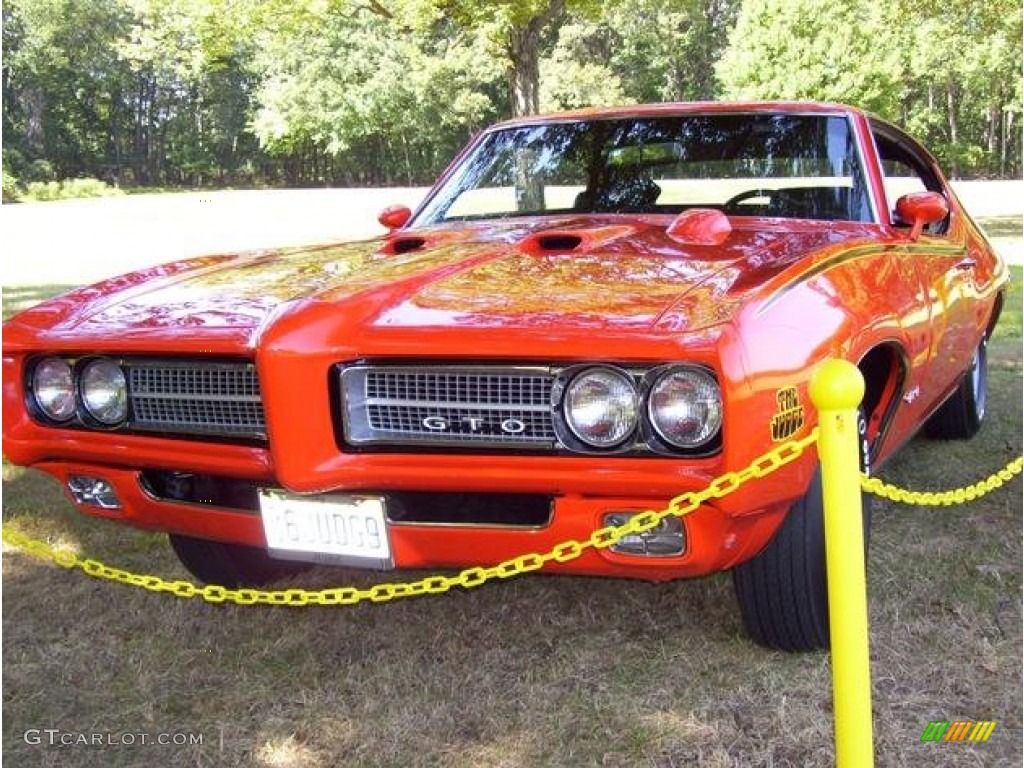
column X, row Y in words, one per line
column 61, row 77
column 948, row 71
column 810, row 49
column 147, row 91
column 639, row 51
column 347, row 98
column 960, row 64
column 185, row 92
column 516, row 29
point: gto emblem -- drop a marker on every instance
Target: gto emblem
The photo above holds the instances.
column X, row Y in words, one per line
column 473, row 424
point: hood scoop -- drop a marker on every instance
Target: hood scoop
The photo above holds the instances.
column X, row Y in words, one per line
column 551, row 242
column 399, row 245
column 700, row 226
column 570, row 240
column 402, row 245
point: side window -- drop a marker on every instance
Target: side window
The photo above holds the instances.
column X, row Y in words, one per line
column 903, row 172
column 900, row 179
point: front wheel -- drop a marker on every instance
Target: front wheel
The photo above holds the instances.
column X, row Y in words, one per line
column 231, row 565
column 961, row 416
column 783, row 591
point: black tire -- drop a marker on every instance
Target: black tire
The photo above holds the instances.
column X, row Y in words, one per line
column 231, row 565
column 783, row 591
column 961, row 416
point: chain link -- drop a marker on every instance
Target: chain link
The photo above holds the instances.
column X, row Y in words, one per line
column 943, row 498
column 680, row 506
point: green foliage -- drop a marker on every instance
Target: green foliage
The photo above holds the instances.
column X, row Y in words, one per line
column 11, row 192
column 40, row 171
column 139, row 91
column 637, row 51
column 233, row 92
column 948, row 71
column 341, row 91
column 570, row 84
column 68, row 189
column 810, row 49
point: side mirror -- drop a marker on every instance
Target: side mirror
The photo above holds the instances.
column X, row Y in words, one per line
column 921, row 209
column 394, row 216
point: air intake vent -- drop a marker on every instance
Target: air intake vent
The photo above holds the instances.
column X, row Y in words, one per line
column 552, row 242
column 407, row 244
column 558, row 242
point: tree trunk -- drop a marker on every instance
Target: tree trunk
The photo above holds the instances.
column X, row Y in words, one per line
column 153, row 136
column 524, row 72
column 34, row 102
column 993, row 129
column 524, row 59
column 954, row 128
column 115, row 135
column 408, row 161
column 1009, row 143
column 139, row 149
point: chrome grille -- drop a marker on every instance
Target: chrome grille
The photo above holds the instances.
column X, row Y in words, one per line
column 196, row 398
column 448, row 406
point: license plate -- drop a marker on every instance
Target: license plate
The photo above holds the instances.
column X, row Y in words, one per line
column 338, row 529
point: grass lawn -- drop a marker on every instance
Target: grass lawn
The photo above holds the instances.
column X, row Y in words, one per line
column 1010, row 321
column 537, row 671
column 1001, row 227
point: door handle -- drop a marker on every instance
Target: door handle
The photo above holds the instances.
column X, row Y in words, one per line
column 967, row 264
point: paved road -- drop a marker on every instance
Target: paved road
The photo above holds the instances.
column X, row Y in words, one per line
column 74, row 242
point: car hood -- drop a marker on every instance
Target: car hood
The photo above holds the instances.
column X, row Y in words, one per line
column 589, row 274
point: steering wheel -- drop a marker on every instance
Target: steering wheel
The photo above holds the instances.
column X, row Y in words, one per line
column 749, row 194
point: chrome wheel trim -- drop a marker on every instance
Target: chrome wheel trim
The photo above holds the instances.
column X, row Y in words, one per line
column 979, row 381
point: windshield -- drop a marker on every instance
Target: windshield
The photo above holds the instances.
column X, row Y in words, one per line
column 779, row 165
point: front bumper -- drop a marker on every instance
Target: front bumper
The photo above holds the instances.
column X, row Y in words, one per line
column 715, row 541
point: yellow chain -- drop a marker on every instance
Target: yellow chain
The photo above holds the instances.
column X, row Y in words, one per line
column 943, row 498
column 602, row 538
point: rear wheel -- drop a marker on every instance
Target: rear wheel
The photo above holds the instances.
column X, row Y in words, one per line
column 231, row 565
column 961, row 416
column 782, row 592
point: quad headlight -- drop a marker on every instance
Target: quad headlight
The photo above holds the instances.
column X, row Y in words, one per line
column 53, row 388
column 600, row 407
column 104, row 391
column 684, row 406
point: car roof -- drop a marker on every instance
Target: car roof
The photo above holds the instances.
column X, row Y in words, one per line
column 669, row 109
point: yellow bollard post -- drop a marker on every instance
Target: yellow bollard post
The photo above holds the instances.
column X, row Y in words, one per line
column 836, row 390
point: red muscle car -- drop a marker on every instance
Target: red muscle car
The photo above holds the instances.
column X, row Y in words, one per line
column 589, row 313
